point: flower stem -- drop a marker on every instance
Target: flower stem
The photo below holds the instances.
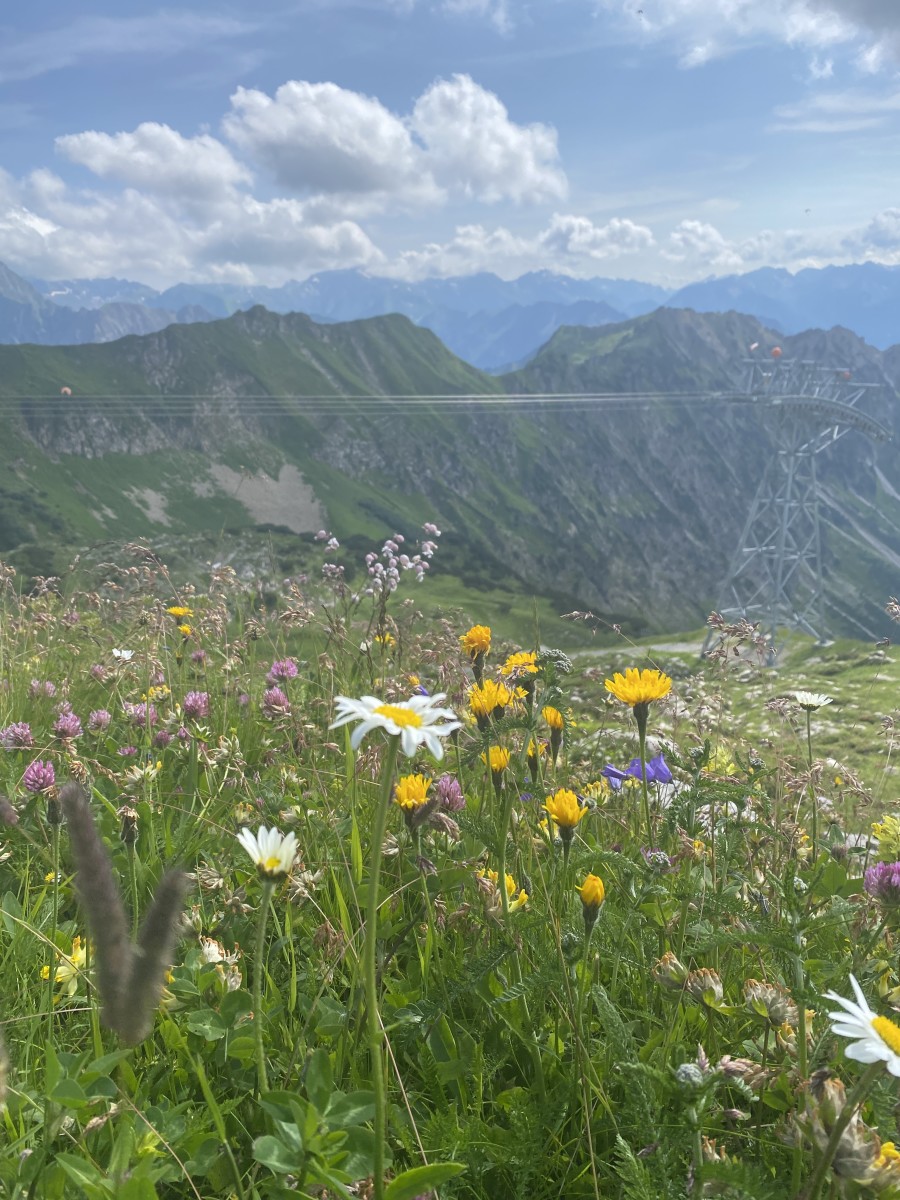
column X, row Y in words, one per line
column 369, row 967
column 262, row 1082
column 641, row 718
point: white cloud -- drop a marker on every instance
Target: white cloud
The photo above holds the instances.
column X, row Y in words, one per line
column 47, row 229
column 701, row 30
column 837, row 112
column 471, row 144
column 458, row 140
column 570, row 244
column 86, row 39
column 321, row 137
column 158, row 159
column 496, row 11
column 702, row 245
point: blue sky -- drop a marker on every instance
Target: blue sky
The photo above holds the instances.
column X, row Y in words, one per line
column 657, row 139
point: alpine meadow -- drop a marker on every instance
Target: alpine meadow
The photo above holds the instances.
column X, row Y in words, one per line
column 449, row 600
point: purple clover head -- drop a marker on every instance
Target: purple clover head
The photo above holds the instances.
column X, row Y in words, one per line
column 99, row 672
column 282, row 669
column 127, row 751
column 67, row 724
column 198, row 657
column 39, row 776
column 141, row 715
column 449, row 793
column 275, row 703
column 98, row 721
column 17, row 736
column 196, row 705
column 162, row 739
column 42, row 687
column 882, row 881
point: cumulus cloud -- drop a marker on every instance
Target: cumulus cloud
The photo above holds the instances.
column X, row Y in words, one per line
column 48, row 229
column 158, row 159
column 572, row 244
column 701, row 243
column 470, row 143
column 458, row 140
column 321, row 137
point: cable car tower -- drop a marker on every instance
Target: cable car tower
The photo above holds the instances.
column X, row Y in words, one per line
column 775, row 576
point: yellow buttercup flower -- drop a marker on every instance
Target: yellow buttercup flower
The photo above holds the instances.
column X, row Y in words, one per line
column 411, row 792
column 638, row 687
column 564, row 808
column 477, row 640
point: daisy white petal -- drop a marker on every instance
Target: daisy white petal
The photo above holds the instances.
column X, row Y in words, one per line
column 810, row 701
column 873, row 1038
column 272, row 851
column 419, row 721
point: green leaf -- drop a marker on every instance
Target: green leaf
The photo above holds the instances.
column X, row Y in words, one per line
column 69, row 1094
column 84, row 1174
column 208, row 1024
column 354, row 1109
column 318, row 1078
column 275, row 1155
column 421, row 1179
column 136, row 1189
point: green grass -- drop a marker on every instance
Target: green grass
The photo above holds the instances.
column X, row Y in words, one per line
column 660, row 1048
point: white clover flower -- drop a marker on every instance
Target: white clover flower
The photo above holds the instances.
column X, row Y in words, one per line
column 272, row 851
column 810, row 701
column 414, row 721
column 877, row 1039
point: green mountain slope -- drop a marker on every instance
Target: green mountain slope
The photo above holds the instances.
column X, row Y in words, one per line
column 628, row 510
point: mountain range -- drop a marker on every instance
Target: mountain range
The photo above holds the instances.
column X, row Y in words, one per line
column 275, row 421
column 494, row 324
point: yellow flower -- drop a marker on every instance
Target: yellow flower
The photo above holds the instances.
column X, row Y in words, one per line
column 553, row 717
column 533, row 751
column 179, row 611
column 592, row 892
column 638, row 687
column 68, row 968
column 477, row 640
column 564, row 808
column 497, row 758
column 599, row 789
column 887, row 832
column 516, row 897
column 484, row 698
column 720, row 763
column 385, row 639
column 523, row 663
column 185, row 629
column 158, row 693
column 411, row 792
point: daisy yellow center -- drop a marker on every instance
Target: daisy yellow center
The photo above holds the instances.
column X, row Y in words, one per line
column 400, row 716
column 888, row 1032
column 272, row 863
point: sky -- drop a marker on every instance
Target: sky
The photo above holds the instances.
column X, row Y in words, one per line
column 663, row 140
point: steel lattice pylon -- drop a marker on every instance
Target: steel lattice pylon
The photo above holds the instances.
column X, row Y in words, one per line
column 775, row 576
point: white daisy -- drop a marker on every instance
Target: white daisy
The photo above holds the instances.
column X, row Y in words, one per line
column 123, row 655
column 877, row 1039
column 272, row 851
column 810, row 701
column 414, row 721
